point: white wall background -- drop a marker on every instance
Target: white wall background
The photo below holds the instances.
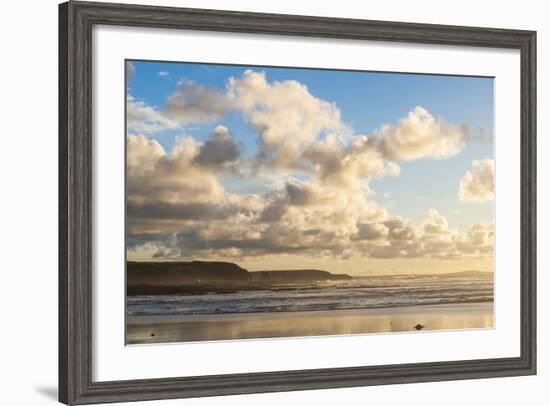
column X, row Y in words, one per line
column 28, row 202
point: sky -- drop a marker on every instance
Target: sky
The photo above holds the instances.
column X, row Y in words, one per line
column 292, row 168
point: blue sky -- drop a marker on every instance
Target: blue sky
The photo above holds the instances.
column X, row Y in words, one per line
column 367, row 101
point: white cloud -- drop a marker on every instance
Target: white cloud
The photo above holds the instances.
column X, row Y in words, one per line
column 179, row 205
column 434, row 224
column 142, row 118
column 477, row 184
column 155, row 176
column 143, row 154
column 193, row 103
column 319, row 202
column 420, row 135
column 287, row 117
column 164, row 73
column 479, row 239
column 347, row 167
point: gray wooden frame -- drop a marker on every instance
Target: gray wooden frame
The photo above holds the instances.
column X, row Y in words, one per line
column 76, row 20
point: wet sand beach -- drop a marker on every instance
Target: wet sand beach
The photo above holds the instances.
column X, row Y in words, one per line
column 164, row 329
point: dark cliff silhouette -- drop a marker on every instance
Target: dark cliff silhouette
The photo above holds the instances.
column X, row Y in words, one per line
column 199, row 277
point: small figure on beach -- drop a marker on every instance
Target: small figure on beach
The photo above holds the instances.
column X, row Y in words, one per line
column 419, row 327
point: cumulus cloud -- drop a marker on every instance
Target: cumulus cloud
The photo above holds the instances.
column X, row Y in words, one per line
column 397, row 238
column 345, row 167
column 298, row 131
column 142, row 118
column 420, row 135
column 176, row 193
column 195, row 217
column 320, row 204
column 143, row 154
column 434, row 224
column 477, row 184
column 219, row 149
column 193, row 103
column 371, row 231
column 155, row 176
column 170, row 190
column 286, row 115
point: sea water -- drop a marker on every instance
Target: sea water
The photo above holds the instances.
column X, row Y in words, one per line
column 358, row 293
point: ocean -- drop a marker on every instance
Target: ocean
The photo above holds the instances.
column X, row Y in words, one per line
column 371, row 292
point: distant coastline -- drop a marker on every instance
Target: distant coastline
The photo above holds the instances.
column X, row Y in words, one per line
column 202, row 277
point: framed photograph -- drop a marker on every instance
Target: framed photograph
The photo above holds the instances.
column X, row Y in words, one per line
column 257, row 202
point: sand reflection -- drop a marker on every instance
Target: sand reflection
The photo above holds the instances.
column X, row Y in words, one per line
column 142, row 330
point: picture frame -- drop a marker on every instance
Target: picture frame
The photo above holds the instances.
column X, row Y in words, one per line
column 76, row 352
